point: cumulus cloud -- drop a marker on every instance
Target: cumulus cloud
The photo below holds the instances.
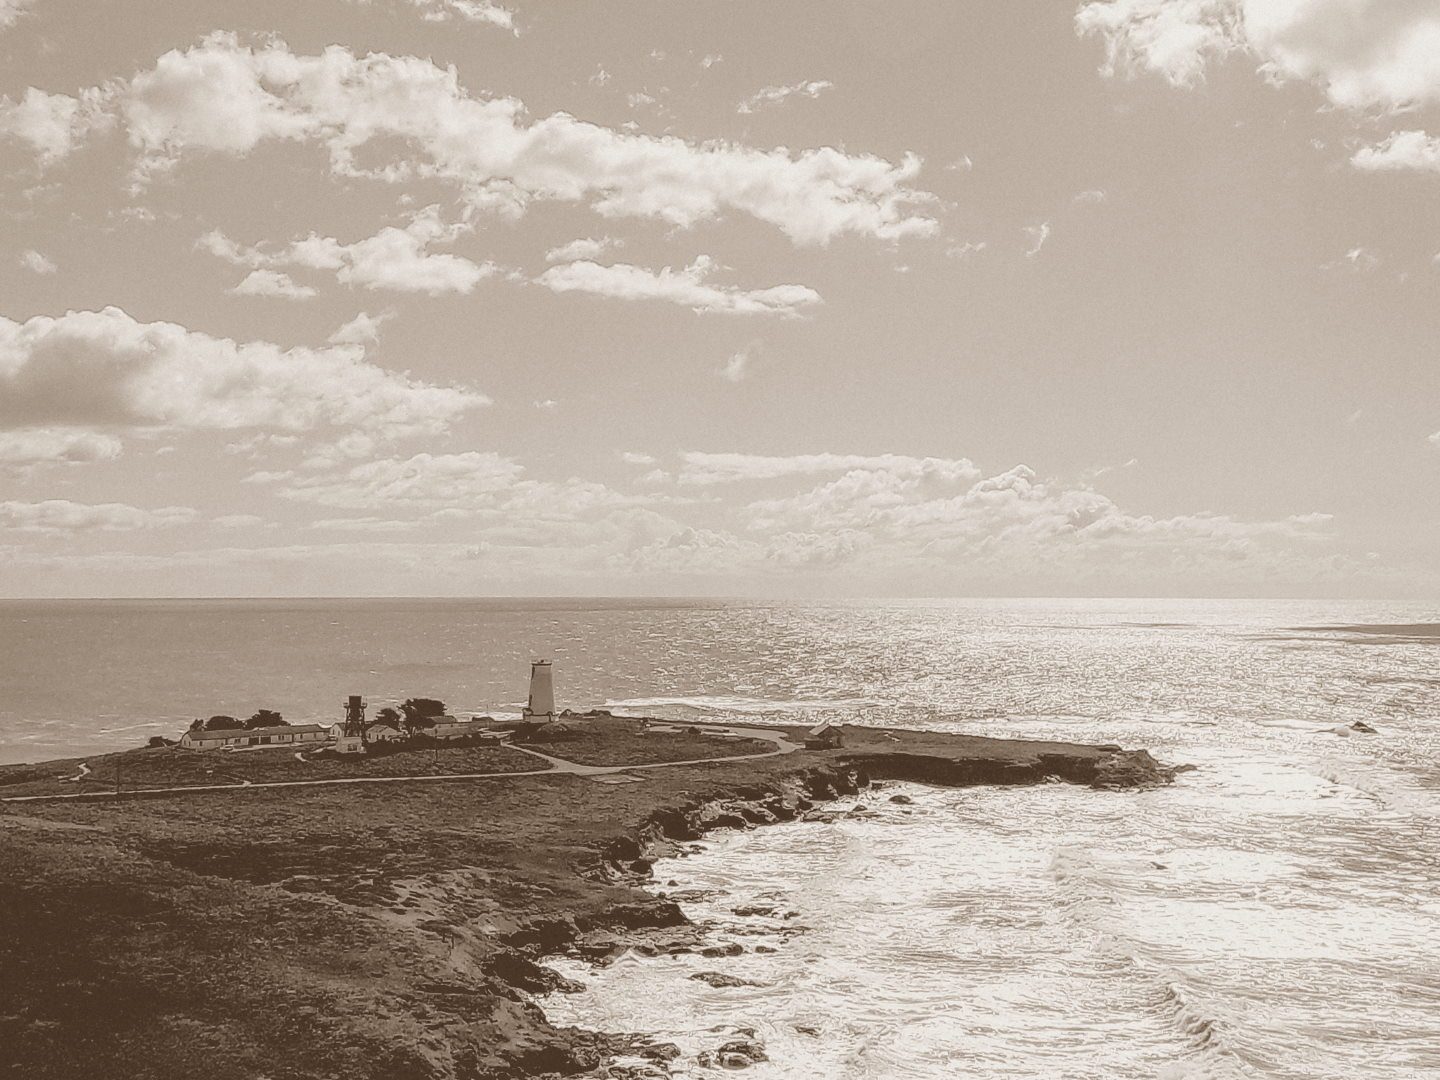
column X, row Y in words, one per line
column 1365, row 55
column 584, row 248
column 54, row 124
column 363, row 329
column 36, row 263
column 272, row 283
column 893, row 517
column 770, row 96
column 64, row 516
column 394, row 258
column 1401, row 150
column 222, row 97
column 103, row 369
column 687, row 286
column 25, row 447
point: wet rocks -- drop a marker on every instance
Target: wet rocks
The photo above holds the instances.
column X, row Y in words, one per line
column 730, row 948
column 720, row 980
column 1130, row 769
column 902, row 800
column 1363, row 728
column 735, row 1054
column 754, row 909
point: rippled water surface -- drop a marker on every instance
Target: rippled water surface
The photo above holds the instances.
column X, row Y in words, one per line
column 1274, row 914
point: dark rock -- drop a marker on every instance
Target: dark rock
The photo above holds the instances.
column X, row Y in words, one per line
column 901, row 800
column 1361, row 726
column 730, row 948
column 1130, row 769
column 754, row 909
column 735, row 1054
column 720, row 980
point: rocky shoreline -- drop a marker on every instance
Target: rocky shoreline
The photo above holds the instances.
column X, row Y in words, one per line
column 397, row 932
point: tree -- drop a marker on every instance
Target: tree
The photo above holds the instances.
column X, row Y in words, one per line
column 222, row 723
column 421, row 713
column 389, row 716
column 266, row 718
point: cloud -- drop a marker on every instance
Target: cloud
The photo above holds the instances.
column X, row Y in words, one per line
column 425, row 481
column 771, row 96
column 1357, row 260
column 103, row 369
column 272, row 283
column 586, row 248
column 25, row 447
column 737, row 368
column 363, row 329
column 36, row 263
column 475, row 11
column 394, row 258
column 1401, row 150
column 700, row 468
column 237, row 521
column 631, row 457
column 12, row 10
column 1038, row 234
column 54, row 124
column 966, row 249
column 63, row 516
column 222, row 97
column 1364, row 55
column 686, row 286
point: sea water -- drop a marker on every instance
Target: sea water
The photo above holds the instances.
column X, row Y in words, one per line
column 1275, row 913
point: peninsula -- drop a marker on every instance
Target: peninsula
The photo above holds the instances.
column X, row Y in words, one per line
column 387, row 925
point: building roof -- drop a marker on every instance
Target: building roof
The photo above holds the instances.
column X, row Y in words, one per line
column 242, row 733
column 823, row 729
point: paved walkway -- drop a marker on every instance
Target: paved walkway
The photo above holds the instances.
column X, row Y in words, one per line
column 559, row 767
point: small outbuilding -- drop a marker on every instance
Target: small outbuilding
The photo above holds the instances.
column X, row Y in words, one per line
column 824, row 736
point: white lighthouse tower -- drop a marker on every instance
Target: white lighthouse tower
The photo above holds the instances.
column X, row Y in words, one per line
column 540, row 709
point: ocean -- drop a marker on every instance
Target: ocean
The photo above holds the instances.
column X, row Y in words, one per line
column 1275, row 913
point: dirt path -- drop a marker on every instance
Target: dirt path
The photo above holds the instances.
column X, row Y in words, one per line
column 558, row 767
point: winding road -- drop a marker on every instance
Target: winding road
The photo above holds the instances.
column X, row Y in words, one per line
column 558, row 767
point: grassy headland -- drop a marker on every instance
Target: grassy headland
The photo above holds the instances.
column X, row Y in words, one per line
column 389, row 931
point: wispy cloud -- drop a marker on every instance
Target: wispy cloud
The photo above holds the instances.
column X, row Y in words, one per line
column 771, row 96
column 687, row 286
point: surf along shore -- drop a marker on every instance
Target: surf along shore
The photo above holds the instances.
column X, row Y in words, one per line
column 389, row 929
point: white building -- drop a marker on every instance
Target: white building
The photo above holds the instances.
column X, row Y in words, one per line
column 540, row 708
column 284, row 735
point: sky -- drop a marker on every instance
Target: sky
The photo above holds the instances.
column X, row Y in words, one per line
column 817, row 299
